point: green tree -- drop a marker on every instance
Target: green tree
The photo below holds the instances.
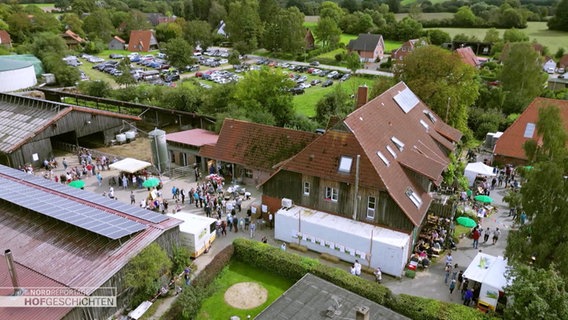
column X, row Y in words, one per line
column 98, row 88
column 559, row 53
column 64, row 75
column 560, row 19
column 143, row 271
column 234, row 58
column 73, row 22
column 381, row 85
column 243, row 24
column 198, row 32
column 536, row 294
column 438, row 37
column 327, row 32
column 512, row 18
column 331, row 10
column 126, row 78
column 514, row 35
column 48, row 43
column 465, row 17
column 446, row 84
column 408, row 28
column 353, row 61
column 168, row 31
column 182, row 98
column 492, row 36
column 179, row 53
column 336, row 103
column 285, row 32
column 217, row 12
column 521, row 76
column 268, row 9
column 98, row 24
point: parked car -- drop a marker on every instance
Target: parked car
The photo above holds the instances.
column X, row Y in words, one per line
column 172, row 77
column 332, row 74
column 561, row 76
column 345, row 77
column 314, row 63
column 324, row 73
column 297, row 90
column 115, row 56
column 560, row 70
column 550, row 70
column 315, row 82
column 327, row 83
column 304, row 85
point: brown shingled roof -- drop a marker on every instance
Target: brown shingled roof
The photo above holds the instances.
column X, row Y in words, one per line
column 468, row 56
column 381, row 125
column 510, row 144
column 256, row 145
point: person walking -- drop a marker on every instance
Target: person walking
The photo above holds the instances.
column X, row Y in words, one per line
column 475, row 236
column 132, row 198
column 486, row 235
column 448, row 271
column 357, row 268
column 496, row 235
column 467, row 297
column 455, row 272
column 252, row 228
column 378, row 275
column 452, row 285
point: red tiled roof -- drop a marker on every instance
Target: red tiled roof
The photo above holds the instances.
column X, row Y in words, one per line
column 369, row 130
column 193, row 137
column 563, row 63
column 5, row 37
column 140, row 40
column 468, row 56
column 119, row 39
column 256, row 146
column 27, row 278
column 510, row 144
column 73, row 35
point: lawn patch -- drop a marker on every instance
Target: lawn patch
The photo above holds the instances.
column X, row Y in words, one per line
column 215, row 307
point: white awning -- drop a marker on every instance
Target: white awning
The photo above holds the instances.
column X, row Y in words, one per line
column 130, row 165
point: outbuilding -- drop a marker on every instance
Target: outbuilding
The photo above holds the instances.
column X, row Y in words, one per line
column 16, row 75
column 197, row 232
column 344, row 238
column 472, row 170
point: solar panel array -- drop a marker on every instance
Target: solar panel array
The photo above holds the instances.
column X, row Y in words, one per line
column 94, row 198
column 80, row 215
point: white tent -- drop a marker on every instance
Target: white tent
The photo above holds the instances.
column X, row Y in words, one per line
column 477, row 168
column 490, row 272
column 130, row 165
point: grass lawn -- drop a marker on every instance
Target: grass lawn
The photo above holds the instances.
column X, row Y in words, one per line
column 42, row 5
column 305, row 104
column 535, row 30
column 93, row 74
column 215, row 307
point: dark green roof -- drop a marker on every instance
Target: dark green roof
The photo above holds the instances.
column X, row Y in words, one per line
column 19, row 61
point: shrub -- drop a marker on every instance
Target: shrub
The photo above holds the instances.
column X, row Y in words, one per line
column 210, row 272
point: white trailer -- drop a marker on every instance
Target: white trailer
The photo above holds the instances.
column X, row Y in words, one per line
column 347, row 239
column 197, row 232
column 490, row 272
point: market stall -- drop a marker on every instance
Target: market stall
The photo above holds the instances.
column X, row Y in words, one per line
column 130, row 165
column 472, row 170
column 490, row 272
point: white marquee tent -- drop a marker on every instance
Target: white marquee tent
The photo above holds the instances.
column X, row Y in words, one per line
column 130, row 165
column 477, row 168
column 490, row 271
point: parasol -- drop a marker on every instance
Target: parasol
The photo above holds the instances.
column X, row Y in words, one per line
column 77, row 184
column 466, row 222
column 150, row 183
column 483, row 199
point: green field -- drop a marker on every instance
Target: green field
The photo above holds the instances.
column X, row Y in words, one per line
column 305, row 104
column 215, row 306
column 535, row 30
column 427, row 15
column 409, row 2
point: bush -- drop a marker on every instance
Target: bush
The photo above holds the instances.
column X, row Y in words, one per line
column 212, row 270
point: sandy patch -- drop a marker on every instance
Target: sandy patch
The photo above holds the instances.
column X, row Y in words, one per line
column 246, row 295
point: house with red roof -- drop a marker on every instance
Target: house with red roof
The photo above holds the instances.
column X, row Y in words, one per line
column 249, row 151
column 72, row 39
column 509, row 147
column 467, row 56
column 406, row 48
column 142, row 41
column 309, row 39
column 183, row 146
column 5, row 40
column 563, row 62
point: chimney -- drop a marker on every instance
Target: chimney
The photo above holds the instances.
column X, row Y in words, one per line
column 361, row 96
column 12, row 271
column 362, row 313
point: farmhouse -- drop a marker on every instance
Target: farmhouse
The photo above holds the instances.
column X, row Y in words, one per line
column 72, row 39
column 406, row 48
column 509, row 147
column 116, row 43
column 31, row 128
column 184, row 146
column 467, row 56
column 369, row 47
column 375, row 167
column 248, row 151
column 61, row 237
column 142, row 41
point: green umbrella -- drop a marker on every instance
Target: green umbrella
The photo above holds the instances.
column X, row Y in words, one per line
column 152, row 182
column 466, row 222
column 468, row 192
column 483, row 199
column 77, row 184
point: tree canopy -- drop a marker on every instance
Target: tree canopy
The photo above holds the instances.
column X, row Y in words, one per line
column 446, row 84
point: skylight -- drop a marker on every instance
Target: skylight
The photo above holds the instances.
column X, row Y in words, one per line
column 424, row 124
column 414, row 197
column 406, row 100
column 345, row 164
column 391, row 151
column 529, row 130
column 397, row 143
column 382, row 156
column 430, row 115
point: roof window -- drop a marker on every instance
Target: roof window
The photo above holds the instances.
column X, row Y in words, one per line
column 382, row 156
column 391, row 151
column 345, row 164
column 414, row 197
column 397, row 143
column 430, row 115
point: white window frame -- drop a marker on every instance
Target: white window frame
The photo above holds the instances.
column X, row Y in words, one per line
column 307, row 188
column 371, row 207
column 331, row 194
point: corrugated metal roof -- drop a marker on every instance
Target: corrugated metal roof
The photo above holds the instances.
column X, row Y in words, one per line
column 193, row 137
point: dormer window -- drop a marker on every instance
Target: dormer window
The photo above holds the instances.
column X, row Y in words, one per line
column 430, row 115
column 398, row 143
column 345, row 164
column 414, row 197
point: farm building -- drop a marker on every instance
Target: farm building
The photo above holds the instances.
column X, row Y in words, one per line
column 61, row 237
column 369, row 47
column 72, row 39
column 116, row 43
column 248, row 151
column 406, row 48
column 183, row 146
column 142, row 41
column 377, row 166
column 5, row 39
column 30, row 128
column 16, row 74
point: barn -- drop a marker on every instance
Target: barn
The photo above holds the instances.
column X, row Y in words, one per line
column 69, row 241
column 16, row 74
column 31, row 128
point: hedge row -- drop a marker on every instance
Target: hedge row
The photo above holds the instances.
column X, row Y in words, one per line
column 189, row 302
column 294, row 267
